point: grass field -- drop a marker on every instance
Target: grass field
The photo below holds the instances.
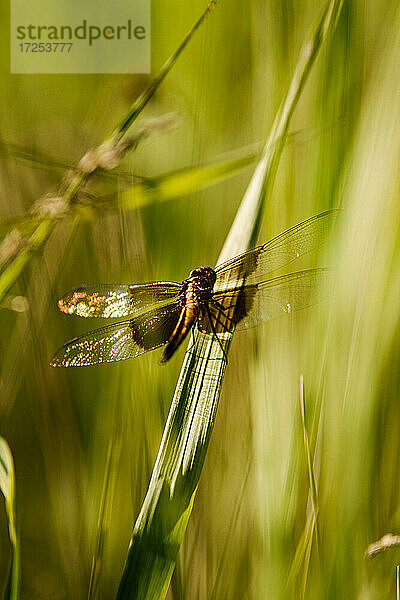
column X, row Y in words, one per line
column 258, row 528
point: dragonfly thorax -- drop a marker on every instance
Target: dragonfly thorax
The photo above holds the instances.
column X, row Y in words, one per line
column 197, row 288
column 204, row 275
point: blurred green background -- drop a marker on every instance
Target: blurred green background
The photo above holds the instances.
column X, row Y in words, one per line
column 245, row 538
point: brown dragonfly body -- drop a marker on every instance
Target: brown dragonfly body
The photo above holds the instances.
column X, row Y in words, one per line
column 194, row 299
column 235, row 295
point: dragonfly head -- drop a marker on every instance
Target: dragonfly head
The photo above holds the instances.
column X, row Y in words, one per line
column 207, row 274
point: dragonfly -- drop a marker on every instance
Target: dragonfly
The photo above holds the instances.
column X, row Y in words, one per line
column 235, row 295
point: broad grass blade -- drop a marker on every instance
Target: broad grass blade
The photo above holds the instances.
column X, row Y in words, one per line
column 7, row 486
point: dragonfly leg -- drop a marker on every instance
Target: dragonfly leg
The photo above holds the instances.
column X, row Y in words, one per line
column 191, row 344
column 223, row 309
column 219, row 305
column 215, row 333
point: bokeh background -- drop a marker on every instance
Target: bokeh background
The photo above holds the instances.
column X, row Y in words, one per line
column 247, row 536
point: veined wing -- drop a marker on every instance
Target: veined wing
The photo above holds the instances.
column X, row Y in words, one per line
column 248, row 305
column 278, row 252
column 99, row 300
column 120, row 341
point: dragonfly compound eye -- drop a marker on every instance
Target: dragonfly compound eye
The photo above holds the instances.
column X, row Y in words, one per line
column 195, row 273
column 211, row 275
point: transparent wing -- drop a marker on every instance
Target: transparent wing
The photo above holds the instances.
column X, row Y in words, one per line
column 99, row 300
column 278, row 252
column 286, row 294
column 248, row 305
column 120, row 341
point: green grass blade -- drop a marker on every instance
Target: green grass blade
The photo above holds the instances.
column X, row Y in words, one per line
column 182, row 182
column 299, row 571
column 103, row 520
column 310, row 467
column 162, row 521
column 149, row 92
column 28, row 248
column 300, row 564
column 7, row 486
